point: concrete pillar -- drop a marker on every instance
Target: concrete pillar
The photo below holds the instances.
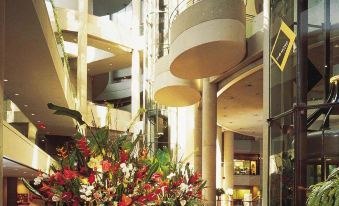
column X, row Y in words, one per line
column 135, row 93
column 82, row 58
column 197, row 138
column 209, row 134
column 219, row 171
column 2, row 68
column 136, row 6
column 228, row 160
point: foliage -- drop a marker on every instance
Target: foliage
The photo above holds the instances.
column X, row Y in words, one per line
column 103, row 170
column 325, row 193
column 220, row 191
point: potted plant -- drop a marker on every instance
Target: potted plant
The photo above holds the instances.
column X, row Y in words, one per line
column 325, row 193
column 219, row 192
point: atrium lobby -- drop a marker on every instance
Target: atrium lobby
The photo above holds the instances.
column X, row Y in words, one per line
column 169, row 102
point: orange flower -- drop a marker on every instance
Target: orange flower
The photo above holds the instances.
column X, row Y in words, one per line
column 125, row 201
column 106, row 165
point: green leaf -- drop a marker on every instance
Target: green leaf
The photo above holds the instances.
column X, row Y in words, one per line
column 152, row 170
column 32, row 189
column 67, row 112
column 163, row 156
column 120, row 190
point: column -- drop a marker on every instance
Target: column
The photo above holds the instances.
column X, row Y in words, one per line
column 82, row 58
column 219, row 172
column 228, row 161
column 135, row 87
column 209, row 134
column 197, row 138
column 2, row 68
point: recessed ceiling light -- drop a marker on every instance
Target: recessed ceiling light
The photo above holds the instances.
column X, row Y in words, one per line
column 109, row 48
column 38, row 121
column 32, row 114
column 5, row 80
column 16, row 169
column 25, row 105
column 42, row 140
column 16, row 94
column 110, row 64
column 336, row 46
column 25, row 172
column 74, row 39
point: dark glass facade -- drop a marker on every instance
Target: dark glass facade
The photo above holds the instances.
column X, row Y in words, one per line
column 304, row 94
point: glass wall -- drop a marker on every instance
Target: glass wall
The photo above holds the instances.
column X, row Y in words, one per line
column 304, row 121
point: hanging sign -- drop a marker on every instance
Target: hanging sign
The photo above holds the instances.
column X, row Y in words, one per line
column 283, row 45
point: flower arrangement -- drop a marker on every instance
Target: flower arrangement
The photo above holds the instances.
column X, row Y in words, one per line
column 99, row 170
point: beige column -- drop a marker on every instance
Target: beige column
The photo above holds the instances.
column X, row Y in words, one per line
column 209, row 134
column 228, row 161
column 197, row 138
column 135, row 87
column 82, row 58
column 2, row 68
column 266, row 101
column 219, row 170
column 136, row 6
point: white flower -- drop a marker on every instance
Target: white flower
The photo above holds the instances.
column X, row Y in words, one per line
column 183, row 187
column 55, row 198
column 182, row 202
column 45, row 176
column 170, row 175
column 37, row 180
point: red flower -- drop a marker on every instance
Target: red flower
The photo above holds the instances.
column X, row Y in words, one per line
column 123, row 156
column 158, row 191
column 69, row 174
column 152, row 197
column 147, row 187
column 194, row 178
column 177, row 183
column 91, row 178
column 83, row 146
column 142, row 200
column 66, row 196
column 59, row 178
column 141, row 172
column 116, row 167
column 106, row 165
column 157, row 177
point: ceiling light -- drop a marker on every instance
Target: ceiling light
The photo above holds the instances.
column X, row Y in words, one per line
column 38, row 121
column 25, row 172
column 16, row 94
column 336, row 46
column 110, row 64
column 109, row 48
column 42, row 140
column 25, row 105
column 5, row 80
column 32, row 114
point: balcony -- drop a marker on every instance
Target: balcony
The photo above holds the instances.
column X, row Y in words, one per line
column 207, row 38
column 172, row 91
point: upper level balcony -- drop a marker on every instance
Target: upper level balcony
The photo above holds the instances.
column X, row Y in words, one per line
column 207, row 37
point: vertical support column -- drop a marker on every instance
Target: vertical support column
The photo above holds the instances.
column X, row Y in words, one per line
column 209, row 134
column 82, row 58
column 198, row 138
column 301, row 100
column 135, row 87
column 266, row 102
column 2, row 68
column 219, row 172
column 228, row 161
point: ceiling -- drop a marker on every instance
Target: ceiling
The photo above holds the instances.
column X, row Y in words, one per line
column 122, row 56
column 240, row 106
column 104, row 7
column 13, row 169
column 32, row 77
